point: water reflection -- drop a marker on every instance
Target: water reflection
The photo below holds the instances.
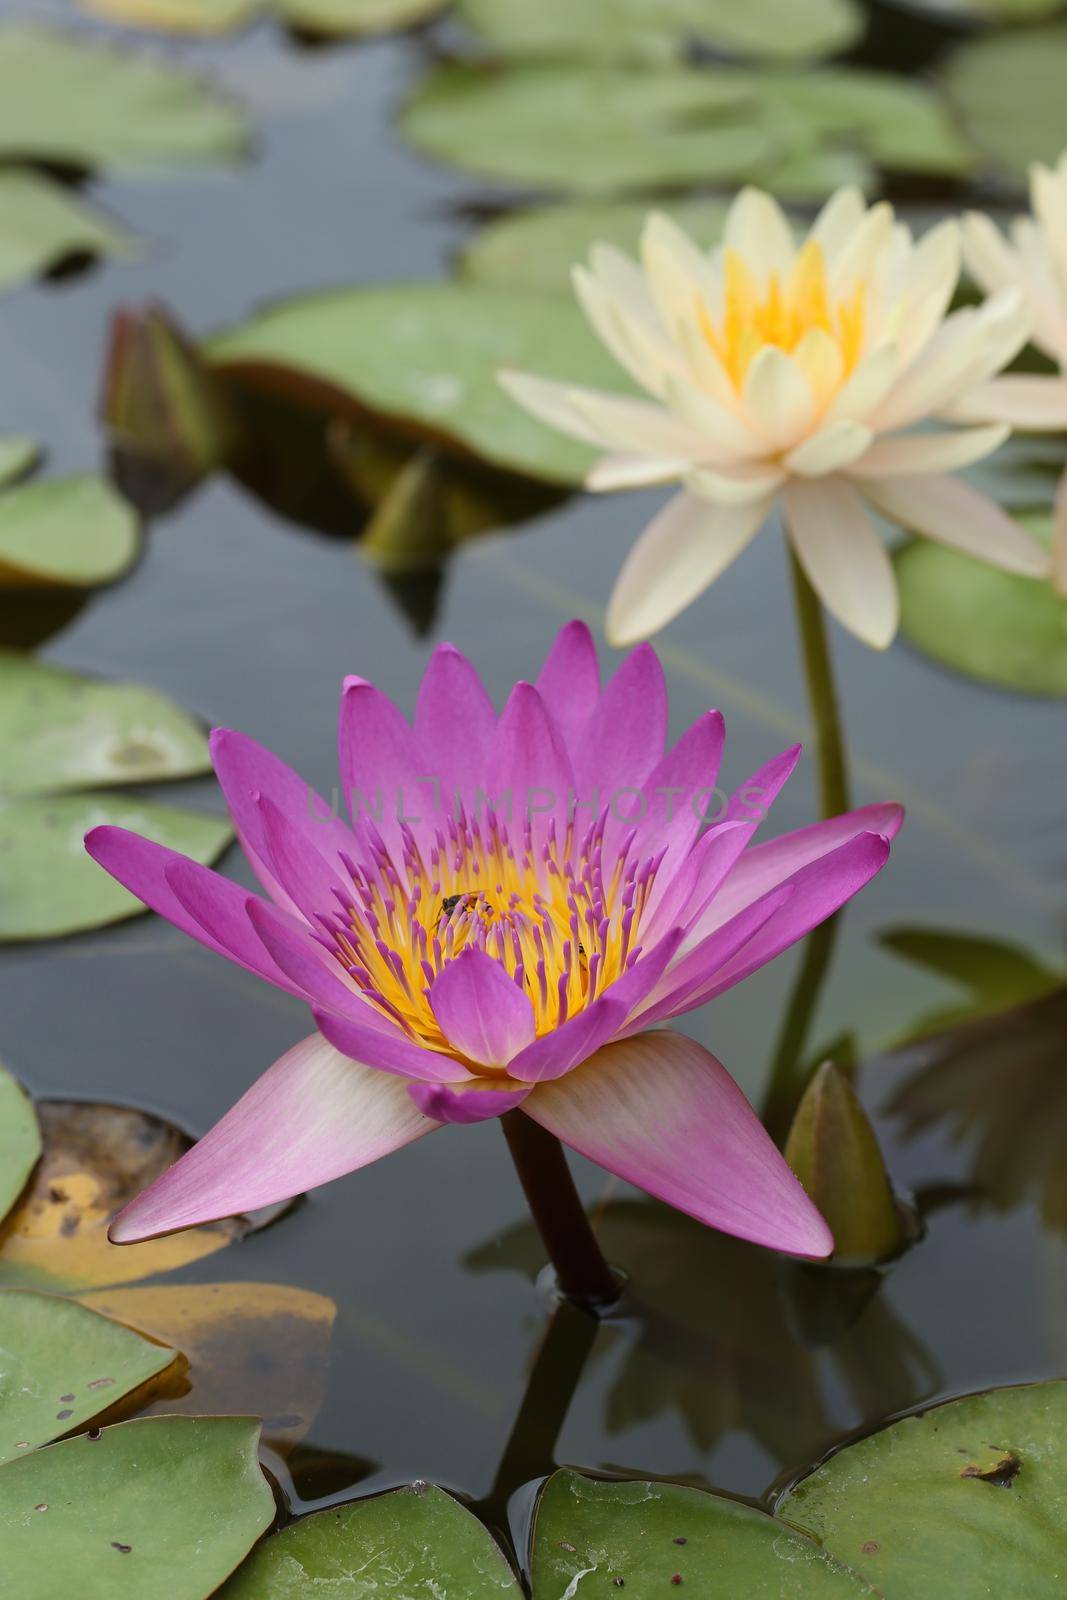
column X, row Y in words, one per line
column 727, row 1337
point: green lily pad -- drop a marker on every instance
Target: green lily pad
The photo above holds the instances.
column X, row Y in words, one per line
column 75, row 532
column 344, row 18
column 1007, row 89
column 200, row 17
column 20, row 1140
column 425, row 358
column 595, row 129
column 625, row 29
column 60, row 731
column 159, row 1509
column 416, row 1541
column 61, row 1365
column 993, row 975
column 348, row 18
column 537, row 249
column 17, row 453
column 966, row 1499
column 987, row 624
column 50, row 887
column 81, row 103
column 590, row 1532
column 42, row 223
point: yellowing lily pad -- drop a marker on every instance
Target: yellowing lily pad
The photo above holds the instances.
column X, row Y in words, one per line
column 415, row 1542
column 657, row 1537
column 177, row 16
column 61, row 1365
column 96, row 1158
column 60, row 731
column 424, row 359
column 538, row 249
column 42, row 224
column 987, row 624
column 78, row 102
column 628, row 29
column 17, row 453
column 50, row 887
column 75, row 532
column 159, row 1509
column 20, row 1140
column 260, row 1347
column 967, row 1498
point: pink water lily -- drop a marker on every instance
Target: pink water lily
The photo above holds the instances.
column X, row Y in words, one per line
column 517, row 901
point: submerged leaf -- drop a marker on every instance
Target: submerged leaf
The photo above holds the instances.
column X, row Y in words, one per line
column 160, row 1509
column 60, row 731
column 43, row 224
column 49, row 886
column 967, row 1498
column 991, row 625
column 20, row 1140
column 61, row 1365
column 82, row 103
column 74, row 532
column 413, row 1542
column 96, row 1158
column 594, row 1537
column 259, row 1347
column 425, row 359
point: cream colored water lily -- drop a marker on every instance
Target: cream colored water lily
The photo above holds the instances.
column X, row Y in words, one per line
column 1033, row 259
column 794, row 375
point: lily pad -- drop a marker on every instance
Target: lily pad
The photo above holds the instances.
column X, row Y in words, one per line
column 413, row 1542
column 159, row 1509
column 1007, row 89
column 628, row 29
column 994, row 976
column 343, row 18
column 177, row 16
column 96, row 1158
column 537, row 249
column 61, row 1365
column 424, row 358
column 590, row 129
column 347, row 18
column 81, row 103
column 42, row 224
column 60, row 731
column 987, row 624
column 967, row 1498
column 20, row 1140
column 589, row 1533
column 250, row 1346
column 75, row 532
column 17, row 452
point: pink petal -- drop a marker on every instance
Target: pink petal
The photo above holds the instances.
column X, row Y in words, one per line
column 142, row 867
column 473, row 1102
column 312, row 1117
column 386, row 1052
column 529, row 764
column 309, row 881
column 569, row 681
column 381, row 767
column 669, row 808
column 483, row 1013
column 246, row 771
column 454, row 725
column 627, row 733
column 661, row 1113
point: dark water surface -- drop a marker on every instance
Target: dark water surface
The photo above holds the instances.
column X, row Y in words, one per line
column 252, row 621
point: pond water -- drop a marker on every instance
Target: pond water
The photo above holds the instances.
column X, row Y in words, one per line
column 251, row 618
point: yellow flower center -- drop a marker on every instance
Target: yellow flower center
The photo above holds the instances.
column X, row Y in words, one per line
column 784, row 314
column 547, row 916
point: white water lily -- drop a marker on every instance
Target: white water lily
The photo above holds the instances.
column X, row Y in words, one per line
column 1033, row 259
column 794, row 375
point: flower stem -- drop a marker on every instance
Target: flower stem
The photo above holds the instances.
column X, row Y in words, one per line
column 790, row 1071
column 566, row 1233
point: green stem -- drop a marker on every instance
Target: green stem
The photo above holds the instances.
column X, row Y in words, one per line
column 789, row 1070
column 582, row 1274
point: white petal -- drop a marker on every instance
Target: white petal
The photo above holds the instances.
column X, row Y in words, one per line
column 621, row 278
column 969, row 347
column 726, row 433
column 1048, row 196
column 857, row 260
column 988, row 256
column 832, row 448
column 644, row 352
column 1036, row 405
column 549, row 402
column 678, row 274
column 632, row 472
column 933, row 273
column 909, row 454
column 777, row 398
column 866, row 386
column 843, row 557
column 634, row 426
column 739, row 486
column 756, row 227
column 838, row 221
column 954, row 513
column 679, row 554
